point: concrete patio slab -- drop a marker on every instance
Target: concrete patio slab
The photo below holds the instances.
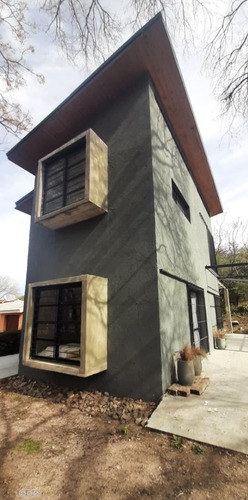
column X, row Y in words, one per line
column 220, row 415
column 9, row 365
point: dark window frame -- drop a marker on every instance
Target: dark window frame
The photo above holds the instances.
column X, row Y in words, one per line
column 218, row 311
column 201, row 316
column 93, row 332
column 211, row 248
column 65, row 166
column 91, row 201
column 62, row 309
column 180, row 200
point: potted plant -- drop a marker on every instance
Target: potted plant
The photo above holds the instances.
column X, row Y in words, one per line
column 185, row 366
column 220, row 337
column 198, row 353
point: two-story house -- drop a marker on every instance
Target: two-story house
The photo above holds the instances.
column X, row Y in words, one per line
column 120, row 231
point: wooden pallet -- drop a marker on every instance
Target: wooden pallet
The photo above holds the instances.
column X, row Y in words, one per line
column 198, row 387
column 179, row 390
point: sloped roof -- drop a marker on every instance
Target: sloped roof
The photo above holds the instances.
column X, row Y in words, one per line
column 149, row 50
column 15, row 306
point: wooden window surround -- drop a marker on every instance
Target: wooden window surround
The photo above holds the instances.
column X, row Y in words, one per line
column 66, row 326
column 72, row 182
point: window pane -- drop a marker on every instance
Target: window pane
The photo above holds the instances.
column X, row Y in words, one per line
column 69, row 332
column 71, row 295
column 57, row 323
column 47, row 313
column 70, row 351
column 70, row 313
column 53, row 185
column 46, row 330
column 64, row 178
column 54, row 180
column 54, row 192
column 76, row 184
column 75, row 170
column 199, row 333
column 74, row 197
column 54, row 167
column 77, row 155
column 48, row 296
column 44, row 349
column 50, row 206
column 180, row 200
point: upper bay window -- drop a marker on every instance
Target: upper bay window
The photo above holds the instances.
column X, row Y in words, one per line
column 72, row 182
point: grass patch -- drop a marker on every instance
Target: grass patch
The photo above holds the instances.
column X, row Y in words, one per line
column 197, row 449
column 126, row 430
column 60, row 451
column 17, row 397
column 177, row 442
column 30, row 446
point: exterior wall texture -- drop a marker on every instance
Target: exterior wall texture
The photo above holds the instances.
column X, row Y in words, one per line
column 120, row 246
column 181, row 245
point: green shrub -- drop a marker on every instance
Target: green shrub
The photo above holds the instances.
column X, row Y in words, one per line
column 9, row 342
column 242, row 309
column 239, row 309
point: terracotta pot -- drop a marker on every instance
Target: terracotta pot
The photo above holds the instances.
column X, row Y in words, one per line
column 186, row 372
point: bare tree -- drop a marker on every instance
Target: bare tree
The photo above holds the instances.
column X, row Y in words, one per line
column 230, row 237
column 86, row 29
column 83, row 29
column 8, row 288
column 226, row 59
column 15, row 31
column 231, row 243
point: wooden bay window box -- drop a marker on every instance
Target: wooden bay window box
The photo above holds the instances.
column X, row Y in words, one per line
column 66, row 325
column 72, row 182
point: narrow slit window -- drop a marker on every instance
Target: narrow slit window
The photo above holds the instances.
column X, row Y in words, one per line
column 180, row 201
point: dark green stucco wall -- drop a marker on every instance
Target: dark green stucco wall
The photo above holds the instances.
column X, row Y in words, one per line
column 120, row 246
column 181, row 245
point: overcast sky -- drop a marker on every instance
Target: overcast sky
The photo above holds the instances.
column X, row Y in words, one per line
column 228, row 161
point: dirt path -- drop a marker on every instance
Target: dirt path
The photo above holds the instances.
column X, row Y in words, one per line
column 57, row 448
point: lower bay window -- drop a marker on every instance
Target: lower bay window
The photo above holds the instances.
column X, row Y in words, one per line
column 66, row 325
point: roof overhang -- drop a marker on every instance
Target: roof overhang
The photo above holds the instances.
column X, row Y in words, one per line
column 149, row 50
column 25, row 204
